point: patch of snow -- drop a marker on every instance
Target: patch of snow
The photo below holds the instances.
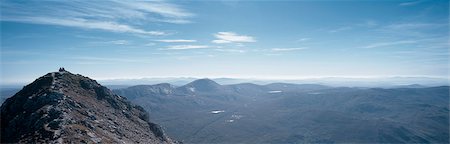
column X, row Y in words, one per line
column 275, row 91
column 192, row 89
column 217, row 111
column 230, row 121
column 236, row 116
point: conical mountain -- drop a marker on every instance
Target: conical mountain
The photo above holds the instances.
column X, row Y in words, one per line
column 202, row 85
column 61, row 107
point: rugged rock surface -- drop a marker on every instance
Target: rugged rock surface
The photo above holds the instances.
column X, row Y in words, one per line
column 61, row 107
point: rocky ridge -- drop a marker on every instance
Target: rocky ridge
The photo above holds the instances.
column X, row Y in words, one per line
column 61, row 107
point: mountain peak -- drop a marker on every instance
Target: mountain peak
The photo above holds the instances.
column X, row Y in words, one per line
column 204, row 81
column 203, row 85
column 61, row 107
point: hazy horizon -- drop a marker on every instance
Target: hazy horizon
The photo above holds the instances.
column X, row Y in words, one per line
column 368, row 81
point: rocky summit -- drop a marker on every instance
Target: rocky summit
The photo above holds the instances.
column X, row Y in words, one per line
column 61, row 107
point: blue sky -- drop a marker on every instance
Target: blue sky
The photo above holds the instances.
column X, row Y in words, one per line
column 238, row 39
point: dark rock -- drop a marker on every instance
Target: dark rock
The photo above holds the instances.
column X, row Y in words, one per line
column 74, row 109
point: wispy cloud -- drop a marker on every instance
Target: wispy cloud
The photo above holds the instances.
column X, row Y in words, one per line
column 403, row 26
column 386, row 44
column 413, row 29
column 163, row 9
column 231, row 37
column 368, row 24
column 273, row 54
column 176, row 41
column 119, row 42
column 110, row 42
column 303, row 39
column 86, row 24
column 150, row 44
column 184, row 47
column 165, row 53
column 99, row 59
column 113, row 16
column 288, row 49
column 231, row 50
column 411, row 3
column 344, row 28
column 27, row 53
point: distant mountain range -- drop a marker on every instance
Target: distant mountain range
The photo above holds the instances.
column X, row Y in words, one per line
column 61, row 107
column 383, row 82
column 387, row 82
column 204, row 111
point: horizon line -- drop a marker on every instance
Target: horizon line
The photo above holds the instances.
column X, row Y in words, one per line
column 268, row 78
column 272, row 78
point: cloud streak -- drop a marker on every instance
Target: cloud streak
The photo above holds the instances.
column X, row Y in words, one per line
column 288, row 49
column 386, row 44
column 87, row 24
column 340, row 29
column 111, row 60
column 231, row 37
column 231, row 50
column 113, row 16
column 163, row 9
column 176, row 41
column 413, row 29
column 410, row 3
column 112, row 42
column 185, row 47
column 303, row 40
column 414, row 26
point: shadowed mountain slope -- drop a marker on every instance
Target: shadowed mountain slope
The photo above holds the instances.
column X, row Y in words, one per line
column 205, row 112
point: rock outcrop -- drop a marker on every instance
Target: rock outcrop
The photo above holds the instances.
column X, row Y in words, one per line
column 61, row 107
